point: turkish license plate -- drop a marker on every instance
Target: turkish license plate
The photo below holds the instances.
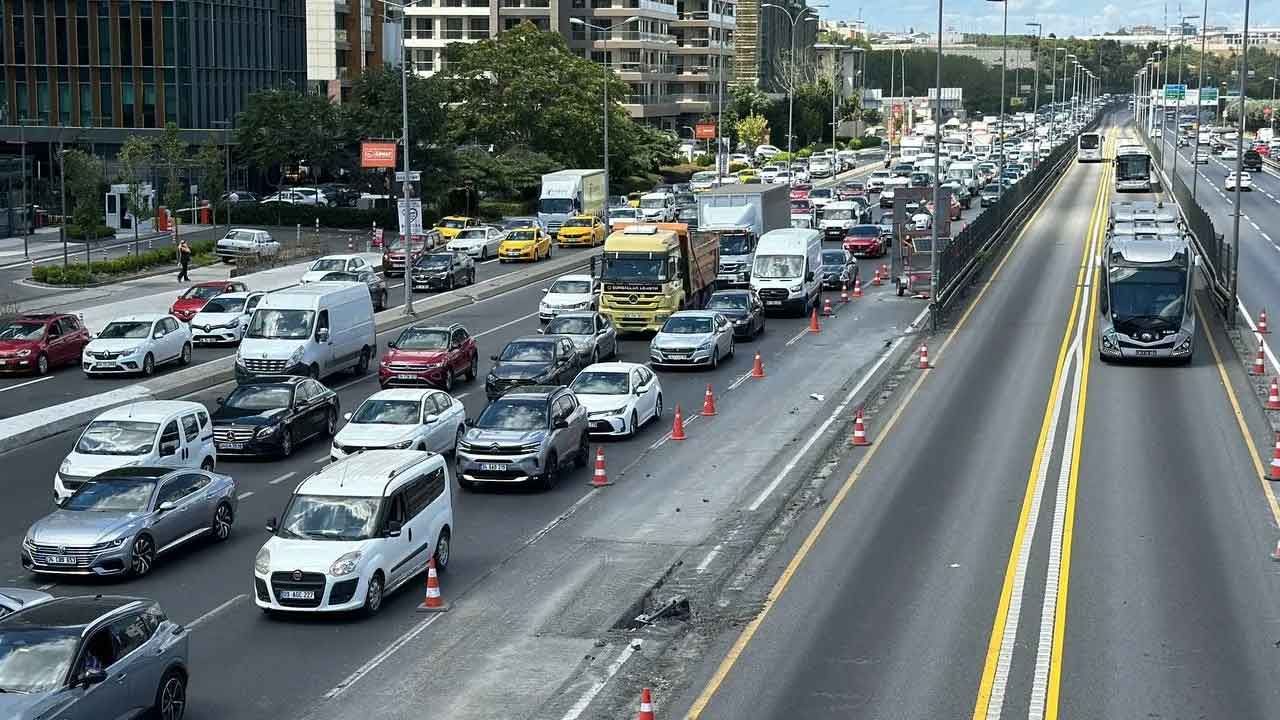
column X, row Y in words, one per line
column 631, row 316
column 406, row 377
column 297, row 594
column 514, row 253
column 60, row 560
column 230, row 446
column 6, row 363
column 494, row 467
column 1146, row 353
column 772, row 302
column 678, row 356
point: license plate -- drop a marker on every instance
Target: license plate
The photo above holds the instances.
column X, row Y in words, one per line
column 1146, row 353
column 297, row 594
column 406, row 377
column 772, row 302
column 230, row 446
column 678, row 356
column 60, row 560
column 494, row 467
column 5, row 363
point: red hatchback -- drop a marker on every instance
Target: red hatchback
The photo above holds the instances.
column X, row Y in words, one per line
column 36, row 343
column 429, row 355
column 190, row 302
column 865, row 241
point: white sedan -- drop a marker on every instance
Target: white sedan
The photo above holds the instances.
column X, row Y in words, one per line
column 402, row 419
column 335, row 263
column 480, row 242
column 1245, row 181
column 620, row 397
column 225, row 318
column 137, row 344
column 1228, row 153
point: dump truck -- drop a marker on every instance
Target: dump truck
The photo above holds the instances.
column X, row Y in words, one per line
column 735, row 216
column 650, row 270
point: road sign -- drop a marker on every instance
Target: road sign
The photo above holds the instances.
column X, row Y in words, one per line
column 410, row 220
column 414, row 176
column 377, row 154
column 1175, row 92
column 704, row 131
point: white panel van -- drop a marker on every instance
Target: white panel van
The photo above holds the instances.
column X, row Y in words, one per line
column 787, row 272
column 314, row 330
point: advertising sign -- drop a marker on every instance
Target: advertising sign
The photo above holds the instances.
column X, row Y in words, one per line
column 410, row 220
column 377, row 154
column 704, row 131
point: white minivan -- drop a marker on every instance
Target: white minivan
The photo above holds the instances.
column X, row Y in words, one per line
column 315, row 330
column 164, row 433
column 355, row 531
column 787, row 272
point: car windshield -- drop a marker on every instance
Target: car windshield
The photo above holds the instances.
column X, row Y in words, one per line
column 578, row 222
column 728, row 302
column 471, row 234
column 225, row 305
column 837, row 214
column 833, row 258
column 423, row 339
column 22, row 331
column 280, row 324
column 991, row 189
column 125, row 330
column 433, row 262
column 332, row 263
column 653, row 203
column 114, row 494
column 117, row 437
column 777, row 267
column 343, row 276
column 555, row 206
column 387, row 412
column 453, row 223
column 36, row 659
column 259, row 397
column 395, row 244
column 514, row 414
column 734, row 244
column 571, row 326
column 600, row 383
column 527, row 351
column 570, row 287
column 518, row 222
column 330, row 517
column 201, row 292
column 801, row 205
column 522, row 235
column 687, row 325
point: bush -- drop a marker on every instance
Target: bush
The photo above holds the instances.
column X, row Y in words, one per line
column 870, row 141
column 804, row 153
column 81, row 274
column 737, row 167
column 677, row 173
column 704, row 160
column 101, row 231
column 306, row 215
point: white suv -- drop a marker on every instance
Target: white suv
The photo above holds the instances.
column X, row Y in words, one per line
column 355, row 531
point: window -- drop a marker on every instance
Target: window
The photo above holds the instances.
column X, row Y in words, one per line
column 19, row 40
column 170, row 434
column 323, row 322
column 42, row 57
column 60, row 40
column 478, row 28
column 99, row 652
column 104, row 39
column 422, row 491
column 303, row 394
column 443, row 403
column 191, row 427
column 69, row 325
column 459, row 337
column 204, row 418
column 453, row 28
column 181, row 487
column 317, row 390
column 126, row 38
column 396, row 511
column 130, row 633
column 561, row 409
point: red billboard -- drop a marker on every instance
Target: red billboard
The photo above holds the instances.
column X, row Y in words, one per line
column 704, row 131
column 377, row 154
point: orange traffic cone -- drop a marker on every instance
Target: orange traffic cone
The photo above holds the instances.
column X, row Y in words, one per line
column 857, row 288
column 709, row 402
column 875, row 279
column 859, row 431
column 433, row 602
column 884, row 270
column 677, row 427
column 599, row 478
column 924, row 357
column 1259, row 366
column 757, row 367
column 844, row 293
column 646, row 706
column 826, row 307
column 1273, row 396
column 1262, row 322
column 1274, row 473
column 1275, row 554
column 814, row 325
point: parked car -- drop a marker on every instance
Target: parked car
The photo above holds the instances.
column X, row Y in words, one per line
column 402, row 419
column 592, row 334
column 137, row 344
column 742, row 308
column 272, row 416
column 245, row 242
column 526, row 436
column 194, row 297
column 239, row 197
column 367, row 277
column 224, row 318
column 620, row 397
column 839, row 269
column 333, row 263
column 480, row 242
column 37, row 343
column 535, row 360
column 429, row 355
column 528, row 243
column 289, row 197
column 443, row 271
column 692, row 337
column 118, row 521
column 342, row 195
column 101, row 656
column 569, row 293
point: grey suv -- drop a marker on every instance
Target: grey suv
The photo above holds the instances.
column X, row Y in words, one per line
column 89, row 658
column 525, row 436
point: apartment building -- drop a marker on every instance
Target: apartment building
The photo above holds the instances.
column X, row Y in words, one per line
column 763, row 43
column 344, row 38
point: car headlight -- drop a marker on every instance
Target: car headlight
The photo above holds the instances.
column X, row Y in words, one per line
column 262, row 563
column 128, row 351
column 24, row 353
column 1109, row 340
column 402, row 445
column 63, row 469
column 796, row 288
column 296, row 356
column 119, row 541
column 268, row 431
column 706, row 345
column 346, row 564
column 1183, row 347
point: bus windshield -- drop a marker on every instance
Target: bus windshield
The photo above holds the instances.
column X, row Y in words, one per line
column 1148, row 298
column 1133, row 167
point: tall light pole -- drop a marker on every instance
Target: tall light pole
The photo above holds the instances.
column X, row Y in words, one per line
column 226, row 144
column 1272, row 78
column 1004, row 66
column 1035, row 106
column 1177, row 122
column 791, row 82
column 1235, row 232
column 1053, row 91
column 937, row 174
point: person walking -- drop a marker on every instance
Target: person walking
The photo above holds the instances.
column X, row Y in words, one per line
column 184, row 261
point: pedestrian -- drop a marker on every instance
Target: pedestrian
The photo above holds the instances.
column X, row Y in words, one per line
column 184, row 261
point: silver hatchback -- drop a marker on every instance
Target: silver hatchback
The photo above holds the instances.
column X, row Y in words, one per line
column 692, row 337
column 593, row 336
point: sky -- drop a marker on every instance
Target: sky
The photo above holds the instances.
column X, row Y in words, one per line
column 1063, row 17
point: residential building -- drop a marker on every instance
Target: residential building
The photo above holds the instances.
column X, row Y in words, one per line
column 762, row 50
column 344, row 38
column 844, row 29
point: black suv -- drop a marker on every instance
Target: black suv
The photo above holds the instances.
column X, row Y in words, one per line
column 443, row 271
column 1251, row 160
column 536, row 360
column 271, row 415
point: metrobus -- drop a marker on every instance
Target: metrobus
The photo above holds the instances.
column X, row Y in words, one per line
column 1144, row 298
column 1133, row 169
column 1089, row 147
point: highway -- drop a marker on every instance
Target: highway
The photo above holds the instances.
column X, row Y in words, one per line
column 1033, row 533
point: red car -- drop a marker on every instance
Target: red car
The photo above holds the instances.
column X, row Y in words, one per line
column 799, row 193
column 36, row 343
column 429, row 355
column 190, row 302
column 865, row 241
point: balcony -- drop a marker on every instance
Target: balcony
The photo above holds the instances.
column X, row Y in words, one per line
column 627, row 8
column 643, row 68
column 634, row 36
column 342, row 7
column 342, row 39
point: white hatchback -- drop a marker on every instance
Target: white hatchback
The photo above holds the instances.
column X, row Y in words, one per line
column 569, row 293
column 620, row 397
column 335, row 263
column 402, row 419
column 224, row 318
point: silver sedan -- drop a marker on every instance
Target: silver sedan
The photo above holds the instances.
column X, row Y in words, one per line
column 593, row 335
column 692, row 337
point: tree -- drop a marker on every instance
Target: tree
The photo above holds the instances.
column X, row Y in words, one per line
column 172, row 152
column 279, row 128
column 753, row 130
column 872, row 117
column 135, row 156
column 84, row 184
column 211, row 161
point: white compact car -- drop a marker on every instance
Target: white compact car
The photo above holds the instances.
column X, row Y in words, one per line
column 1229, row 153
column 355, row 531
column 569, row 293
column 137, row 344
column 402, row 419
column 479, row 242
column 1245, row 181
column 335, row 263
column 224, row 318
column 245, row 242
column 620, row 397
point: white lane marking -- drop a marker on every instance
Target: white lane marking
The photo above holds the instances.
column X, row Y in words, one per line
column 822, row 429
column 688, row 420
column 395, row 287
column 205, row 617
column 244, row 495
column 282, row 478
column 24, row 384
column 709, row 558
column 799, row 335
column 46, row 587
column 321, row 459
column 380, row 658
column 580, row 706
column 740, row 379
column 559, row 519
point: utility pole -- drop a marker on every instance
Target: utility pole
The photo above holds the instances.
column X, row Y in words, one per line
column 1235, row 231
column 1035, row 108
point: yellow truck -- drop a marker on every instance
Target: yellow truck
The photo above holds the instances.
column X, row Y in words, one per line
column 649, row 271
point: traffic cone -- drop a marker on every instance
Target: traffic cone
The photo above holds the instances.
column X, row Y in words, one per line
column 1274, row 473
column 1275, row 554
column 757, row 367
column 1262, row 323
column 884, row 270
column 677, row 427
column 857, row 288
column 709, row 402
column 844, row 293
column 433, row 602
column 814, row 325
column 826, row 307
column 924, row 357
column 859, row 431
column 599, row 478
column 646, row 706
column 1259, row 366
column 875, row 279
column 1273, row 396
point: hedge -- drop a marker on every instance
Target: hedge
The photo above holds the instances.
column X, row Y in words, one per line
column 75, row 232
column 497, row 209
column 306, row 215
column 82, row 274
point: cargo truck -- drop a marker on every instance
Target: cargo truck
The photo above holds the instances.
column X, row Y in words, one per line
column 570, row 193
column 735, row 217
column 649, row 271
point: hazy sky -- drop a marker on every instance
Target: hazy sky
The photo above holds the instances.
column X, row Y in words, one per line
column 1064, row 17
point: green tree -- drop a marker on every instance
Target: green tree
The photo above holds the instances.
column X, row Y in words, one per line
column 135, row 156
column 279, row 128
column 85, row 188
column 172, row 152
column 753, row 130
column 872, row 117
column 211, row 161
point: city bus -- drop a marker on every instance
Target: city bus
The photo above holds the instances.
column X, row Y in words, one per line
column 1089, row 147
column 1133, row 169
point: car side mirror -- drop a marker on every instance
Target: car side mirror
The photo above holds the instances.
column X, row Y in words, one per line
column 166, row 506
column 493, row 358
column 346, row 416
column 93, row 677
column 391, row 344
column 322, row 335
column 808, row 276
column 159, row 334
column 560, row 424
column 221, row 400
column 393, row 529
column 272, row 526
column 546, row 290
column 428, row 419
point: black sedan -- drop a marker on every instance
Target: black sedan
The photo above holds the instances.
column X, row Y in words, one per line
column 443, row 271
column 376, row 283
column 839, row 270
column 272, row 415
column 537, row 360
column 742, row 308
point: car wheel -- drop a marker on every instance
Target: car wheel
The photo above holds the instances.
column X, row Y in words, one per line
column 457, row 438
column 143, row 556
column 551, row 473
column 472, row 368
column 42, row 364
column 448, row 379
column 635, row 425
column 373, row 596
column 314, row 371
column 715, row 358
column 584, row 450
column 484, row 254
column 185, row 357
column 222, row 520
column 171, row 697
column 362, row 365
column 148, row 366
column 657, row 408
column 382, row 301
column 443, row 549
column 286, row 443
column 331, row 423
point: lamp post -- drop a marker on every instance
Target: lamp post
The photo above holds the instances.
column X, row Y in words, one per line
column 722, row 165
column 937, row 175
column 1035, row 105
column 1177, row 122
column 791, row 82
column 1235, row 231
column 1272, row 78
column 1053, row 91
column 1004, row 66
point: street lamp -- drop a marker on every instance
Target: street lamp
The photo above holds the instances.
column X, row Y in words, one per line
column 791, row 82
column 1035, row 106
column 1272, row 78
column 937, row 176
column 1004, row 66
column 1053, row 90
column 1235, row 232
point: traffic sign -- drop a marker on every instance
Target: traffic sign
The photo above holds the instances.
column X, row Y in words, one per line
column 414, row 175
column 1175, row 92
column 410, row 216
column 1208, row 94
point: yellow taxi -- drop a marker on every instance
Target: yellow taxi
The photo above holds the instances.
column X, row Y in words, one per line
column 581, row 230
column 526, row 243
column 633, row 199
column 450, row 226
column 749, row 176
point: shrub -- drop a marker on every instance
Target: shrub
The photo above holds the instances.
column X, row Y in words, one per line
column 495, row 209
column 736, row 167
column 80, row 274
column 79, row 233
column 870, row 141
column 804, row 153
column 704, row 160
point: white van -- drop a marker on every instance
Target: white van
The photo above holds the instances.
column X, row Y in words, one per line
column 658, row 206
column 787, row 273
column 154, row 433
column 355, row 531
column 314, row 330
